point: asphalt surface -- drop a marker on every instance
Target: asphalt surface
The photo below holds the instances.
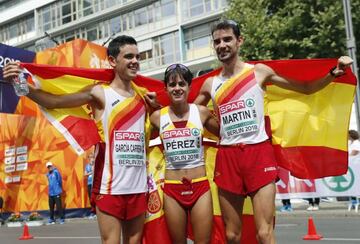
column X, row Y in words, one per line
column 333, row 221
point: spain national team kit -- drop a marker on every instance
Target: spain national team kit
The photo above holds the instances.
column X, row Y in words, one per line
column 120, row 180
column 245, row 159
column 183, row 149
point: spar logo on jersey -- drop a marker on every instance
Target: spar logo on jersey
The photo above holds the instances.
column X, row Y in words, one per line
column 129, row 136
column 183, row 132
column 228, row 107
column 250, row 102
column 195, row 132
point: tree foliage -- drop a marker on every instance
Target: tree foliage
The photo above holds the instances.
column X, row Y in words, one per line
column 286, row 29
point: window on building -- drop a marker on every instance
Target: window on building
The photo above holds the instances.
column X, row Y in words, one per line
column 198, row 41
column 115, row 25
column 17, row 29
column 92, row 35
column 111, row 3
column 66, row 12
column 168, row 8
column 146, row 55
column 151, row 13
column 87, row 7
column 193, row 8
column 166, row 49
column 30, row 24
column 13, row 30
column 140, row 16
column 164, row 8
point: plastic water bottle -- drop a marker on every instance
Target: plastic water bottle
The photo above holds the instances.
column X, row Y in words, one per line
column 20, row 85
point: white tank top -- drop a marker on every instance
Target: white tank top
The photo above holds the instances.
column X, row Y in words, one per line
column 183, row 147
column 239, row 104
column 122, row 125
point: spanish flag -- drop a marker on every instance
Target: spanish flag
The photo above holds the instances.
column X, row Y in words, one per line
column 309, row 132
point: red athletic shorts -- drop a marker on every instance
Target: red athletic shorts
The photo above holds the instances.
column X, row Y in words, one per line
column 123, row 207
column 243, row 169
column 186, row 192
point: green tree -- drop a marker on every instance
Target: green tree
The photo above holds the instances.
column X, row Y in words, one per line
column 285, row 29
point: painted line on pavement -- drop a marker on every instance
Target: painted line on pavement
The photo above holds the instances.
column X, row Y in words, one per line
column 340, row 239
column 285, row 225
column 67, row 237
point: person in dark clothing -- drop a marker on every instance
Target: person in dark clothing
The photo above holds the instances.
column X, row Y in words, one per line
column 286, row 206
column 89, row 171
column 313, row 204
column 55, row 190
column 1, row 210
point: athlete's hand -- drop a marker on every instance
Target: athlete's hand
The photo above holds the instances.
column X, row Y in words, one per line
column 152, row 101
column 11, row 70
column 343, row 63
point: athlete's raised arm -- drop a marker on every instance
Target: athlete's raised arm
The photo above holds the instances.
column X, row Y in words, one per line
column 265, row 74
column 48, row 100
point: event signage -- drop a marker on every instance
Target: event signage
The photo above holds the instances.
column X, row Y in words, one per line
column 8, row 99
column 334, row 186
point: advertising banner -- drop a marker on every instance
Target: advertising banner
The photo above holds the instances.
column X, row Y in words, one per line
column 290, row 187
column 28, row 140
column 8, row 99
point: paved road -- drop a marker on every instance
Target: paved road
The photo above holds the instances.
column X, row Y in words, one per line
column 333, row 221
column 74, row 231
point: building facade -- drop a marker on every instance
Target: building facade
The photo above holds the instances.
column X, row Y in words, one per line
column 167, row 31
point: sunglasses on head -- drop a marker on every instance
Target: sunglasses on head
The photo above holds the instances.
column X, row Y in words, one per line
column 175, row 66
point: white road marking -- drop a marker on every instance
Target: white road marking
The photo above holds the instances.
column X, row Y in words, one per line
column 67, row 237
column 285, row 225
column 341, row 239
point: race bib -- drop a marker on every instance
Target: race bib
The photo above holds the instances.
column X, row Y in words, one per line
column 239, row 117
column 129, row 148
column 182, row 145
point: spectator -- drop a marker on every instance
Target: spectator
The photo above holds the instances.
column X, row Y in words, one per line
column 313, row 204
column 286, row 206
column 1, row 210
column 354, row 156
column 89, row 171
column 55, row 190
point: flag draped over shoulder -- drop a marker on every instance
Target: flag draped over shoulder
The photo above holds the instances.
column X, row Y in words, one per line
column 76, row 124
column 309, row 132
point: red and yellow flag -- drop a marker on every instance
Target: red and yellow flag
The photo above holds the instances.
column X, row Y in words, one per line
column 309, row 132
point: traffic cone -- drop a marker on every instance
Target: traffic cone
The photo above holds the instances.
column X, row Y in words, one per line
column 312, row 235
column 26, row 235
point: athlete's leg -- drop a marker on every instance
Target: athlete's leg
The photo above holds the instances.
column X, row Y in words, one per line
column 132, row 229
column 263, row 202
column 175, row 217
column 202, row 218
column 231, row 209
column 109, row 226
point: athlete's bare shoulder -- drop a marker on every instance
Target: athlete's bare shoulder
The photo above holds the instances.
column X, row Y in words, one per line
column 205, row 92
column 97, row 92
column 263, row 73
column 208, row 84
